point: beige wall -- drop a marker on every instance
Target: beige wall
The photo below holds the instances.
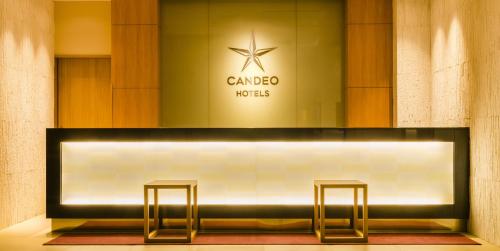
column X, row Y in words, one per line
column 82, row 28
column 464, row 90
column 26, row 105
column 449, row 62
column 433, row 83
column 413, row 64
column 484, row 69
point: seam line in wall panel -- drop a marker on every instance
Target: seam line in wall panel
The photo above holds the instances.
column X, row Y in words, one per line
column 135, row 88
column 134, row 24
column 112, row 95
column 77, row 56
column 297, row 63
column 368, row 23
column 208, row 61
column 369, row 86
column 346, row 64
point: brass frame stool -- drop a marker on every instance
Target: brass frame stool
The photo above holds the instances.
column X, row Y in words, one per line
column 321, row 231
column 191, row 187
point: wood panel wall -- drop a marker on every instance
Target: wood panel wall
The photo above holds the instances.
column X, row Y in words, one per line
column 84, row 93
column 135, row 63
column 369, row 63
column 135, row 66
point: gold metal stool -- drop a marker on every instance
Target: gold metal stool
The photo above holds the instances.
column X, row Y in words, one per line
column 191, row 187
column 321, row 231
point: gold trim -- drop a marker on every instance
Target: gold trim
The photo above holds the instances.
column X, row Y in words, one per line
column 263, row 225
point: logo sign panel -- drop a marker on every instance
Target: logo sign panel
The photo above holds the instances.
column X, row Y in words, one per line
column 250, row 56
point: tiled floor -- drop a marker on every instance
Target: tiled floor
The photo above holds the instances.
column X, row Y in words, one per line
column 31, row 234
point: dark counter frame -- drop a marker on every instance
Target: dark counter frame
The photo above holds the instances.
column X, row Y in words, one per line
column 458, row 210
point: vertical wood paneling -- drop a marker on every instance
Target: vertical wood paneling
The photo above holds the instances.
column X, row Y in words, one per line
column 135, row 63
column 369, row 63
column 135, row 56
column 84, row 92
column 369, row 55
column 83, row 28
column 135, row 108
column 369, row 107
column 369, row 11
column 134, row 11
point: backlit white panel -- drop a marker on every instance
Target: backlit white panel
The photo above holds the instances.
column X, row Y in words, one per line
column 257, row 172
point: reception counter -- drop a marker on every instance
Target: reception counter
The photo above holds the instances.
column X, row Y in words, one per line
column 258, row 173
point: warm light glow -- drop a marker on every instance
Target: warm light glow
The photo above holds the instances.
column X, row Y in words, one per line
column 257, row 172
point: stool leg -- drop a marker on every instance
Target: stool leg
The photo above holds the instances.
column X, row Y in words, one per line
column 315, row 219
column 355, row 211
column 195, row 207
column 156, row 209
column 146, row 215
column 365, row 212
column 322, row 214
column 188, row 214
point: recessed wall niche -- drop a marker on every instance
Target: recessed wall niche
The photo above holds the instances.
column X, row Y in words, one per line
column 252, row 63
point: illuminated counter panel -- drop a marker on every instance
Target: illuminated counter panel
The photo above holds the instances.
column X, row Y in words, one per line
column 412, row 173
column 262, row 173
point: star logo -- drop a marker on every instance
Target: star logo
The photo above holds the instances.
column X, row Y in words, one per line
column 252, row 54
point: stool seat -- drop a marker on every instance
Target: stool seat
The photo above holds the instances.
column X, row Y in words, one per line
column 340, row 183
column 171, row 183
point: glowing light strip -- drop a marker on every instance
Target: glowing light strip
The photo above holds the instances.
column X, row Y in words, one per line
column 85, row 177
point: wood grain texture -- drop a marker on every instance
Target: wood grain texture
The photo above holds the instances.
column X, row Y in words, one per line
column 134, row 11
column 84, row 92
column 83, row 28
column 369, row 63
column 369, row 55
column 369, row 11
column 135, row 108
column 369, row 107
column 135, row 58
column 135, row 63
